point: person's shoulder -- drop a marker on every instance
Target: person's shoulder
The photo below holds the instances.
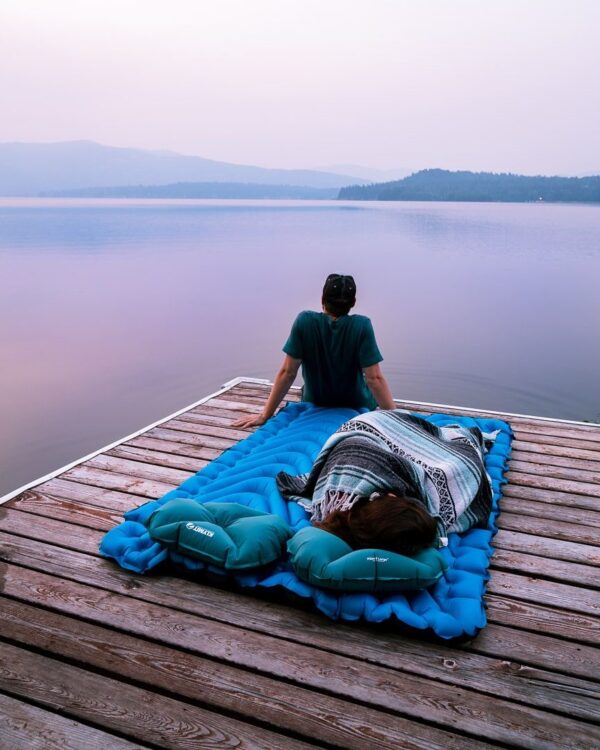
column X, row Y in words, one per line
column 360, row 321
column 307, row 315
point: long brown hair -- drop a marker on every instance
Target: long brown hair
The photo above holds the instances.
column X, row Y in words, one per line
column 397, row 524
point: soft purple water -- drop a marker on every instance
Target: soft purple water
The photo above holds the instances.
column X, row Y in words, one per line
column 116, row 313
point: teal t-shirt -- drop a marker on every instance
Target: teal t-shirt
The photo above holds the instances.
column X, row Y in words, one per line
column 334, row 354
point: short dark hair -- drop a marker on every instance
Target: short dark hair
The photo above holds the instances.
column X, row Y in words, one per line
column 397, row 524
column 339, row 294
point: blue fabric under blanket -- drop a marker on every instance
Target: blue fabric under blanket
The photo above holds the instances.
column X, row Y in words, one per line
column 289, row 442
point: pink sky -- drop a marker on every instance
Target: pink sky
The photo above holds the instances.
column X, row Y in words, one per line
column 502, row 85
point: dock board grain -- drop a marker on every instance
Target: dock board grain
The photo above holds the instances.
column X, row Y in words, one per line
column 93, row 656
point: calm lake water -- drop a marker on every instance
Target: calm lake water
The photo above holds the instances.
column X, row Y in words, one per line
column 115, row 313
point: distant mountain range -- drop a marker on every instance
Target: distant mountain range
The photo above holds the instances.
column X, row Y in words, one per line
column 88, row 169
column 443, row 185
column 367, row 174
column 29, row 169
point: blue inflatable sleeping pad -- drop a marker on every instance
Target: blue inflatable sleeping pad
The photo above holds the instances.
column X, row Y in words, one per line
column 245, row 473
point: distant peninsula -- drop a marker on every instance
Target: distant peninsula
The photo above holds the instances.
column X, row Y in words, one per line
column 444, row 185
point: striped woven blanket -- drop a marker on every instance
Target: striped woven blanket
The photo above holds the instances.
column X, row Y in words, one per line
column 391, row 451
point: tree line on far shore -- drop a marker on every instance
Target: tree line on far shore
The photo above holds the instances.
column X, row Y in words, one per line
column 444, row 185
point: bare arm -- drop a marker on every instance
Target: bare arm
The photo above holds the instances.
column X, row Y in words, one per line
column 281, row 385
column 379, row 387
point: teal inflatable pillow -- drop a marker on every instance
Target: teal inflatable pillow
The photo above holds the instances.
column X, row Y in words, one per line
column 228, row 535
column 323, row 559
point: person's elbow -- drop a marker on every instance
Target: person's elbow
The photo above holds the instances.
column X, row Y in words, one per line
column 374, row 376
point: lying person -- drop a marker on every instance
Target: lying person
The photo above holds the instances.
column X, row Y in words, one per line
column 390, row 480
column 397, row 524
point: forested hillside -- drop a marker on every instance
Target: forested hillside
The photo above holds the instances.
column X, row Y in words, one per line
column 443, row 185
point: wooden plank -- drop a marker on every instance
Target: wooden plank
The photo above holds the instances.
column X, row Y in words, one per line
column 237, row 405
column 197, row 423
column 263, row 390
column 113, row 481
column 191, row 427
column 488, row 717
column 51, row 530
column 181, row 595
column 544, row 592
column 553, row 469
column 547, row 449
column 565, row 513
column 243, row 397
column 141, row 714
column 556, row 529
column 553, row 433
column 169, row 446
column 546, row 547
column 27, row 727
column 158, row 458
column 36, row 502
column 556, row 461
column 188, row 438
column 225, row 413
column 550, row 621
column 579, row 487
column 587, row 441
column 258, row 397
column 547, row 430
column 509, row 643
column 544, row 567
column 550, row 496
column 206, row 416
column 138, row 469
column 70, row 489
column 250, row 695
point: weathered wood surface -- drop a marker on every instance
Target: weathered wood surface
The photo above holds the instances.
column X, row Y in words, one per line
column 93, row 656
column 24, row 726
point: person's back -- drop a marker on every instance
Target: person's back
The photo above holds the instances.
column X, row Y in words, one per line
column 338, row 353
column 334, row 353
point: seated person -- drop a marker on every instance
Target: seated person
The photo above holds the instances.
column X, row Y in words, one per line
column 390, row 480
column 339, row 356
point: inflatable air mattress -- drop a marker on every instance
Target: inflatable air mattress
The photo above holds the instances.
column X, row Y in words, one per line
column 453, row 607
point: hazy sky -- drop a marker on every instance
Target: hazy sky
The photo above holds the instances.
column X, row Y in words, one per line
column 503, row 85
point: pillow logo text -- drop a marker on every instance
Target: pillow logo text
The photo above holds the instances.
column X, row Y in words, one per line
column 199, row 529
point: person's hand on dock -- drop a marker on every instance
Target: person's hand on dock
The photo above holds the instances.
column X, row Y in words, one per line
column 254, row 421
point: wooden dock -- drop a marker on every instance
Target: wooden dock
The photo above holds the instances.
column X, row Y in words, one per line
column 95, row 657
